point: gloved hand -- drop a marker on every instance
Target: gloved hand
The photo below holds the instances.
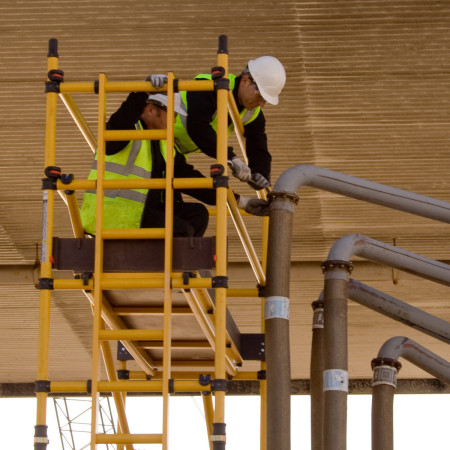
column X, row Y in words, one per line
column 254, row 206
column 239, row 169
column 157, row 80
column 258, row 182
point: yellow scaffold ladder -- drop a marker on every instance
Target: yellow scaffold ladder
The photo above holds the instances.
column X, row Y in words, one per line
column 101, row 281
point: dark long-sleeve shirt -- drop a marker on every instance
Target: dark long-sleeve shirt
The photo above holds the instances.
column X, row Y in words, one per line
column 125, row 118
column 202, row 106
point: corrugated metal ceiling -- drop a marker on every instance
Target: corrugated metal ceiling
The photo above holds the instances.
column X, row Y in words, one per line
column 367, row 94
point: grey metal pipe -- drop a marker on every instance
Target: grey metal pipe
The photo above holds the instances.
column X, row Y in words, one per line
column 287, row 185
column 413, row 352
column 359, row 245
column 396, row 309
column 335, row 375
column 383, row 389
column 386, row 366
column 276, row 319
column 377, row 301
column 336, row 270
column 305, row 175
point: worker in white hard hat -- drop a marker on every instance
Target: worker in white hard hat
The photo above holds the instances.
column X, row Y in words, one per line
column 261, row 82
column 143, row 208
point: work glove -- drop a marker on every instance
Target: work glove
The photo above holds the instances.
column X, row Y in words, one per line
column 258, row 182
column 157, row 80
column 240, row 170
column 254, row 206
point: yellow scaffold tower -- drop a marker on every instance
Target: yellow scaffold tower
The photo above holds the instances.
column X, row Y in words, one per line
column 167, row 362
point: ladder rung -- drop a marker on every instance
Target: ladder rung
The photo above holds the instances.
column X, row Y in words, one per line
column 128, row 439
column 150, row 386
column 131, row 335
column 133, row 233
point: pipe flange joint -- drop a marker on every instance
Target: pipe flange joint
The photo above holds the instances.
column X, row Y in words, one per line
column 385, row 372
column 317, row 304
column 219, row 385
column 293, row 197
column 380, row 361
column 332, row 264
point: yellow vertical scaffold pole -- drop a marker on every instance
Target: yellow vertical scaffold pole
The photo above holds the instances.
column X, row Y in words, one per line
column 168, row 244
column 98, row 264
column 40, row 436
column 219, row 435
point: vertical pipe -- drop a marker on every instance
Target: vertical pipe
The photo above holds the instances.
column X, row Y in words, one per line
column 383, row 388
column 276, row 319
column 40, row 436
column 316, row 376
column 335, row 381
column 263, row 382
column 219, row 434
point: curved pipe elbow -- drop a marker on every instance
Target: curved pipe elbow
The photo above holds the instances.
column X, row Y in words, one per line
column 413, row 352
column 294, row 178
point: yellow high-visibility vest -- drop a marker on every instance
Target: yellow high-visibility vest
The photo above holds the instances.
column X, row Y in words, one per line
column 184, row 143
column 123, row 208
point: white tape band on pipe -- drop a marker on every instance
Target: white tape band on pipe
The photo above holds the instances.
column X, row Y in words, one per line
column 384, row 375
column 276, row 308
column 318, row 321
column 335, row 380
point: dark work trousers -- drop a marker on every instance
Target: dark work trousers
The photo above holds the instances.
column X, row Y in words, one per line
column 189, row 219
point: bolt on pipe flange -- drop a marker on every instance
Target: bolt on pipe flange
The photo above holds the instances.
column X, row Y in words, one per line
column 317, row 304
column 293, row 197
column 337, row 264
column 380, row 361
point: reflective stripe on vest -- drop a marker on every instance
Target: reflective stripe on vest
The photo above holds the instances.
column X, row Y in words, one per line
column 182, row 139
column 123, row 208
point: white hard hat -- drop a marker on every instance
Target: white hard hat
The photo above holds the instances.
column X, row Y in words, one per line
column 270, row 76
column 162, row 98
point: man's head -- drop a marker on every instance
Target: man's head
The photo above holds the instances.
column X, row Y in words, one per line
column 155, row 112
column 261, row 83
